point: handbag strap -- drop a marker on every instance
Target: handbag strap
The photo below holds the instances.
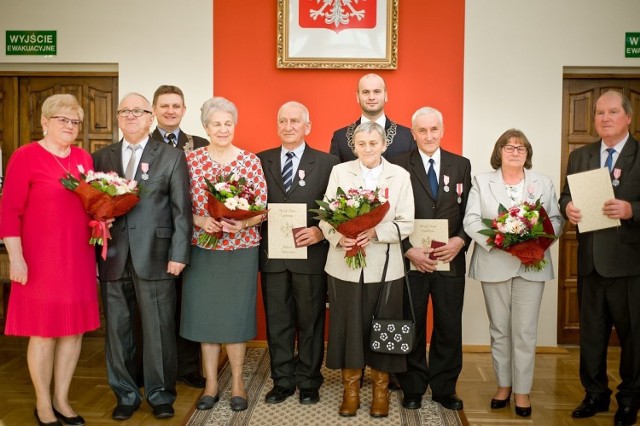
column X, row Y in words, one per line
column 406, row 279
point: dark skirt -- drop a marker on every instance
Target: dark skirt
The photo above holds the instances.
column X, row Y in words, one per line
column 351, row 308
column 219, row 296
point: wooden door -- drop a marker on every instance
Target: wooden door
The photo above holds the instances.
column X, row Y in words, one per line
column 97, row 96
column 580, row 94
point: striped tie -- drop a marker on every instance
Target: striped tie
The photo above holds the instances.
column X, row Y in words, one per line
column 171, row 138
column 287, row 171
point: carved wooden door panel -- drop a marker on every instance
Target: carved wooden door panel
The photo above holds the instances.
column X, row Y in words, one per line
column 97, row 95
column 580, row 94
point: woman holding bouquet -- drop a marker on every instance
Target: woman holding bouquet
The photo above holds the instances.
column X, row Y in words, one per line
column 219, row 286
column 354, row 290
column 512, row 290
column 52, row 267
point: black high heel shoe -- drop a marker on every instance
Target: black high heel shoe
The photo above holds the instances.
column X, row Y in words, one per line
column 500, row 403
column 524, row 411
column 41, row 423
column 76, row 420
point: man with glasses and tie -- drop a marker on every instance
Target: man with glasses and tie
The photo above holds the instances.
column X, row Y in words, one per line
column 441, row 182
column 608, row 266
column 169, row 108
column 294, row 290
column 149, row 248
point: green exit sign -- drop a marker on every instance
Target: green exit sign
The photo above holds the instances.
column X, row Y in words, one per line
column 632, row 45
column 31, row 43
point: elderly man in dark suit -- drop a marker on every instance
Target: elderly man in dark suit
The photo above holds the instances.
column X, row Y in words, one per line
column 294, row 290
column 149, row 248
column 371, row 95
column 608, row 267
column 169, row 108
column 441, row 196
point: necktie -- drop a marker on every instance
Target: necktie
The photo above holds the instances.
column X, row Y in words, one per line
column 287, row 171
column 433, row 180
column 609, row 161
column 171, row 138
column 130, row 173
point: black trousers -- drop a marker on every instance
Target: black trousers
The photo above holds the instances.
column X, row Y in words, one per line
column 604, row 302
column 294, row 306
column 445, row 352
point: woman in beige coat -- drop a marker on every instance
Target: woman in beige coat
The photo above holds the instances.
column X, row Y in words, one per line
column 353, row 293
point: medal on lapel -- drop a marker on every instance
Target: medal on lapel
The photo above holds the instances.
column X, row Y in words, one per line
column 145, row 168
column 301, row 175
column 446, row 183
column 459, row 189
column 616, row 177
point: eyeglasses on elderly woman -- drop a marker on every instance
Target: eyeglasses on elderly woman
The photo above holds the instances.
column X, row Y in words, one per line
column 511, row 148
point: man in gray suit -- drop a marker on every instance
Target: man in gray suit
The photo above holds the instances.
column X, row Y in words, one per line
column 294, row 290
column 608, row 267
column 169, row 108
column 148, row 249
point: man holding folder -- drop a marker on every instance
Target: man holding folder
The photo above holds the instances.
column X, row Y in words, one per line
column 608, row 267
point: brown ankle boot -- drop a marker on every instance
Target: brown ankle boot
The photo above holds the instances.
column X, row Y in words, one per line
column 351, row 395
column 380, row 401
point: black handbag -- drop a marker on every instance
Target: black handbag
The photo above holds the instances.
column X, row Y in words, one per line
column 393, row 336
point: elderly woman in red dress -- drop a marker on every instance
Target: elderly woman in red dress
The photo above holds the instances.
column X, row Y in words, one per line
column 52, row 266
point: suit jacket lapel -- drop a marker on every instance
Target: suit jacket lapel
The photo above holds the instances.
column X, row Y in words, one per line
column 306, row 163
column 497, row 189
column 532, row 190
column 115, row 157
column 275, row 169
column 149, row 155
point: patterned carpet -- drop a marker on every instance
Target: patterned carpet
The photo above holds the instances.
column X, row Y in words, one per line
column 291, row 412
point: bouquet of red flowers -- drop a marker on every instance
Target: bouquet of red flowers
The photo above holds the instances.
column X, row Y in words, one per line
column 229, row 197
column 525, row 231
column 351, row 213
column 104, row 196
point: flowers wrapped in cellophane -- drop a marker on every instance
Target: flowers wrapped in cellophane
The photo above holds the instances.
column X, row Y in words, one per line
column 104, row 196
column 350, row 213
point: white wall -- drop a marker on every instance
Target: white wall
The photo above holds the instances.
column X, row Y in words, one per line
column 515, row 53
column 149, row 42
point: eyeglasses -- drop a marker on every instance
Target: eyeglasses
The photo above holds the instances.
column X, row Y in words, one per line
column 65, row 121
column 511, row 148
column 137, row 112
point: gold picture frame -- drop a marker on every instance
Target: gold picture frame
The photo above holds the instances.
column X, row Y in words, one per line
column 330, row 34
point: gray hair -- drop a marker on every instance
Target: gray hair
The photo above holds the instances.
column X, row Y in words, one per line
column 215, row 104
column 425, row 111
column 130, row 94
column 370, row 127
column 626, row 103
column 305, row 111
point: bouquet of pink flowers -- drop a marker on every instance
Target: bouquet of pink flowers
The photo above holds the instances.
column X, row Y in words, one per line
column 524, row 230
column 350, row 213
column 229, row 197
column 104, row 196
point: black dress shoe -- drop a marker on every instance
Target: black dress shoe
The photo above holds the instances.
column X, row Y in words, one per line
column 163, row 411
column 238, row 403
column 452, row 402
column 278, row 394
column 412, row 401
column 193, row 379
column 523, row 411
column 309, row 396
column 626, row 416
column 500, row 403
column 207, row 402
column 76, row 420
column 123, row 412
column 41, row 423
column 590, row 406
